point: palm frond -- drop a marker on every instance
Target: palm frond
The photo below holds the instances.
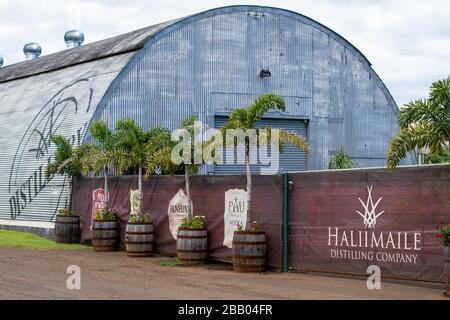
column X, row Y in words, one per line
column 261, row 105
column 295, row 139
column 101, row 133
column 417, row 136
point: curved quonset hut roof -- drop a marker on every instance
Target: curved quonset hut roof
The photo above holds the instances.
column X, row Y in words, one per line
column 136, row 40
column 205, row 64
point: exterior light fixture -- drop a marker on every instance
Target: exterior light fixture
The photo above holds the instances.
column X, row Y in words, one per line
column 265, row 73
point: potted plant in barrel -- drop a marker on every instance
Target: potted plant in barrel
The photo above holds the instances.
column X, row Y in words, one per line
column 149, row 151
column 67, row 161
column 101, row 154
column 192, row 237
column 105, row 230
column 249, row 241
column 444, row 236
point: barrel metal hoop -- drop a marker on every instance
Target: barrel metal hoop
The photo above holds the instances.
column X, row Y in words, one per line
column 104, row 229
column 249, row 243
column 140, row 242
column 249, row 257
column 139, row 252
column 191, row 251
column 139, row 233
column 192, row 237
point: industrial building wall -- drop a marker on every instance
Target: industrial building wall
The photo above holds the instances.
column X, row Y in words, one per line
column 32, row 110
column 209, row 64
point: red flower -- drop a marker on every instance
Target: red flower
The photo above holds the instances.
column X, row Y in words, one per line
column 439, row 235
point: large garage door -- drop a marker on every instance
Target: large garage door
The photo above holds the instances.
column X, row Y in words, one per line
column 292, row 158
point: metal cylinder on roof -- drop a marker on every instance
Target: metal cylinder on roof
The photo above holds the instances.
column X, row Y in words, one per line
column 32, row 50
column 74, row 38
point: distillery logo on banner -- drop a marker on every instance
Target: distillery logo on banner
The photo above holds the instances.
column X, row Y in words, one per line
column 371, row 245
column 235, row 213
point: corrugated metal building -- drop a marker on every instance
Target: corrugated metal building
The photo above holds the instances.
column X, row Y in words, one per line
column 206, row 65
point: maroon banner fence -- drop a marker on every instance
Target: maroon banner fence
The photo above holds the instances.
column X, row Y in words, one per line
column 208, row 196
column 339, row 221
column 345, row 221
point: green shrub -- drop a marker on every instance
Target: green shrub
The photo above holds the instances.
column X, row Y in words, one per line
column 65, row 212
column 196, row 222
column 140, row 218
column 106, row 215
column 341, row 160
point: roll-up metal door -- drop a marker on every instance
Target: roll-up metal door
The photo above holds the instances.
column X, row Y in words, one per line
column 292, row 158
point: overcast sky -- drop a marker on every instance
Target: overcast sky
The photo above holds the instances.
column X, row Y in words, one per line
column 407, row 41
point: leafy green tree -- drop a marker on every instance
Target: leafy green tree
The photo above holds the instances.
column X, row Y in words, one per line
column 67, row 161
column 248, row 118
column 424, row 123
column 144, row 150
column 341, row 160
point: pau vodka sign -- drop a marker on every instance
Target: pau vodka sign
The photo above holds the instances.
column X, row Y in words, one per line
column 369, row 244
column 236, row 202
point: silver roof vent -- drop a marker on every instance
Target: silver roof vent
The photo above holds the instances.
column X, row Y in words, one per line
column 74, row 38
column 1, row 61
column 32, row 50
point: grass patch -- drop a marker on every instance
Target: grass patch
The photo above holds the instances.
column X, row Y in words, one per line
column 175, row 262
column 16, row 239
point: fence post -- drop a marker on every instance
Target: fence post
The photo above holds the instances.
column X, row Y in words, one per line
column 285, row 223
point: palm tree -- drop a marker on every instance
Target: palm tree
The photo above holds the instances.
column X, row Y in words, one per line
column 103, row 154
column 189, row 167
column 67, row 161
column 144, row 150
column 424, row 123
column 246, row 119
column 341, row 160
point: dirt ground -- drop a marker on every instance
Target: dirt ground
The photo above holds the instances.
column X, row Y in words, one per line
column 34, row 274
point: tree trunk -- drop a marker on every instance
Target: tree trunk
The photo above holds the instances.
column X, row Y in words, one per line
column 106, row 188
column 248, row 225
column 188, row 188
column 141, row 194
column 69, row 192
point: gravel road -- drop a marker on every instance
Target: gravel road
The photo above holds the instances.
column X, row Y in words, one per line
column 38, row 274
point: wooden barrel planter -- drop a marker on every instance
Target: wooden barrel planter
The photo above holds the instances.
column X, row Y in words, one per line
column 447, row 271
column 105, row 235
column 192, row 246
column 67, row 229
column 249, row 251
column 139, row 239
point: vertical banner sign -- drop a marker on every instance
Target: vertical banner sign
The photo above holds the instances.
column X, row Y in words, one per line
column 98, row 202
column 235, row 213
column 135, row 200
column 179, row 208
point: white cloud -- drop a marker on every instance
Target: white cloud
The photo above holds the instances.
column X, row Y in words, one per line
column 406, row 41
